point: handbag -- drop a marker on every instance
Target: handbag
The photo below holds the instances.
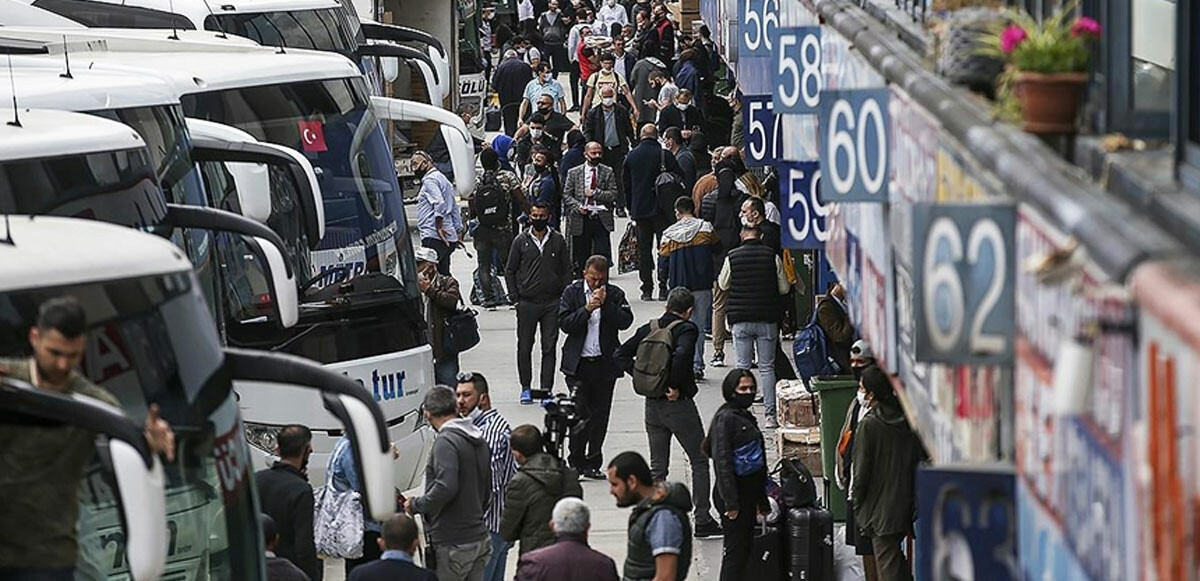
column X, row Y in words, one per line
column 461, row 330
column 627, row 250
column 337, row 517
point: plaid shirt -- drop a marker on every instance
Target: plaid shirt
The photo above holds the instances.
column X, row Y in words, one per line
column 496, row 432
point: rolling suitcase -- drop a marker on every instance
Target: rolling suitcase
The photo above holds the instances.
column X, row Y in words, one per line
column 810, row 544
column 766, row 555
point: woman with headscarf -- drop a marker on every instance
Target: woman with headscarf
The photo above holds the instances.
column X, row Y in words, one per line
column 738, row 452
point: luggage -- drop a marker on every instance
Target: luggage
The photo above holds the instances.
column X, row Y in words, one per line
column 809, row 544
column 627, row 250
column 799, row 489
column 766, row 555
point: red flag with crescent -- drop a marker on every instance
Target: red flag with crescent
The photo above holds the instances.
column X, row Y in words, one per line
column 312, row 136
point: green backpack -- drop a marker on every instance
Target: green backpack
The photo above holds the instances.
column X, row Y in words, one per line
column 652, row 365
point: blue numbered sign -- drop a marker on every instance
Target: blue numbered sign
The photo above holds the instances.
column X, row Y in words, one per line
column 963, row 279
column 854, row 145
column 803, row 213
column 764, row 131
column 796, row 68
column 759, row 20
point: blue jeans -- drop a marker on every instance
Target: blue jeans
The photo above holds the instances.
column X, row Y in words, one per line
column 445, row 371
column 495, row 567
column 761, row 336
column 702, row 317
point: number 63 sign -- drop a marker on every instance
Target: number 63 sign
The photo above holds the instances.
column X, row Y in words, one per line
column 963, row 273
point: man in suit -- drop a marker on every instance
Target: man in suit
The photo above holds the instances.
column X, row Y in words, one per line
column 569, row 557
column 588, row 199
column 287, row 498
column 399, row 544
column 610, row 126
column 642, row 168
column 278, row 568
column 591, row 312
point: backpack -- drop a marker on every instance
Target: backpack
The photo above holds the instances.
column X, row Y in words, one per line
column 667, row 188
column 652, row 363
column 491, row 203
column 809, row 349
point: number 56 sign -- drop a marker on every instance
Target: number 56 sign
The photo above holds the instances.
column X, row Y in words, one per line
column 963, row 273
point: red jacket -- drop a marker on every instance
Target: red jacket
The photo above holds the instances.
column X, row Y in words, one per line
column 569, row 558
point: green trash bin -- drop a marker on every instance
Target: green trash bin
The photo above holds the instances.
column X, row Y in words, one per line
column 837, row 393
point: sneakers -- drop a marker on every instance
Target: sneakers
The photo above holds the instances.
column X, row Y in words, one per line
column 708, row 335
column 708, row 529
column 718, row 360
column 593, row 474
column 662, row 294
column 647, row 297
column 621, row 213
column 771, row 422
column 526, row 397
column 699, row 373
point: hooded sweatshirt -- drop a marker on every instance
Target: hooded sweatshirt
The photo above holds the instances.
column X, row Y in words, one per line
column 687, row 246
column 886, row 453
column 530, row 498
column 457, row 481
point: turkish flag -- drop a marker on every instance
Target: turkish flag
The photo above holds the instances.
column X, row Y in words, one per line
column 312, row 136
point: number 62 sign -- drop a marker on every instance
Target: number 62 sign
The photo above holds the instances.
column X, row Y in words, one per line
column 963, row 273
column 855, row 129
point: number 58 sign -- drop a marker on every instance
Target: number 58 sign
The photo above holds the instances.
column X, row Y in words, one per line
column 963, row 273
column 797, row 70
column 855, row 140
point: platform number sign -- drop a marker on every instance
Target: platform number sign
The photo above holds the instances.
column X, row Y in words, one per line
column 854, row 145
column 803, row 214
column 797, row 70
column 759, row 20
column 964, row 275
column 764, row 131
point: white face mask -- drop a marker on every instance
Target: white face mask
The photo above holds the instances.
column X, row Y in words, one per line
column 746, row 221
column 862, row 398
column 682, row 106
column 610, row 3
column 608, row 101
column 475, row 413
column 536, row 133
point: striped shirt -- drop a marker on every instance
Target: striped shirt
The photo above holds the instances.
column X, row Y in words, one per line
column 496, row 433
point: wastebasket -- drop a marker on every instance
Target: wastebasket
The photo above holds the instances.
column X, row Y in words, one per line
column 837, row 393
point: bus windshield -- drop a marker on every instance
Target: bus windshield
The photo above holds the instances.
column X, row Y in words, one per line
column 113, row 186
column 324, row 30
column 151, row 341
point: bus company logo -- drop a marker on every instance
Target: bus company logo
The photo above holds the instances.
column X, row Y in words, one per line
column 387, row 386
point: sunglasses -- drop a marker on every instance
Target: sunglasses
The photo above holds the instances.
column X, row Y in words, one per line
column 465, row 376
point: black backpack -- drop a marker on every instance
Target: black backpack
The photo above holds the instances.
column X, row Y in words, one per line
column 491, row 203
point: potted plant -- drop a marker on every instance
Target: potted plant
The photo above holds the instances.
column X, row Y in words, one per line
column 1049, row 62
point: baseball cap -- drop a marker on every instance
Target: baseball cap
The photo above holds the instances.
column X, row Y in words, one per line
column 862, row 349
column 424, row 254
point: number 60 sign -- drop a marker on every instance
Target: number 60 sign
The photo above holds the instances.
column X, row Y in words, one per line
column 963, row 273
column 855, row 141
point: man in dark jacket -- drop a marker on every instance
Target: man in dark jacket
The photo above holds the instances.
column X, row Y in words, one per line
column 457, row 490
column 569, row 557
column 675, row 414
column 673, row 138
column 753, row 275
column 278, row 568
column 573, row 157
column 682, row 113
column 510, row 80
column 660, row 536
column 539, row 267
column 440, row 299
column 834, row 319
column 534, row 137
column 399, row 544
column 720, row 207
column 541, row 480
column 610, row 126
column 287, row 497
column 886, row 454
column 642, row 167
column 754, row 213
column 591, row 312
column 687, row 248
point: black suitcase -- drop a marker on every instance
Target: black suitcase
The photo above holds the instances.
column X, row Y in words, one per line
column 766, row 555
column 810, row 544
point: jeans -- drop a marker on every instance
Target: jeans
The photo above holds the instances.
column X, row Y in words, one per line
column 532, row 316
column 445, row 370
column 649, row 230
column 371, row 551
column 463, row 562
column 701, row 316
column 680, row 418
column 495, row 567
column 443, row 251
column 487, row 242
column 594, row 240
column 749, row 336
column 889, row 559
column 720, row 331
column 37, row 573
column 594, row 384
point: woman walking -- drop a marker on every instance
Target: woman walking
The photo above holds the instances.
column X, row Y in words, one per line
column 736, row 447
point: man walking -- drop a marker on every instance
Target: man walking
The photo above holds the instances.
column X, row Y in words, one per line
column 660, row 536
column 609, row 125
column 540, row 482
column 399, row 544
column 642, row 168
column 544, row 84
column 588, row 199
column 497, row 193
column 675, row 413
column 539, row 267
column 286, row 496
column 437, row 213
column 457, row 491
column 569, row 557
column 475, row 404
column 687, row 161
column 555, row 124
column 687, row 246
column 510, row 80
column 753, row 274
column 591, row 312
column 645, row 91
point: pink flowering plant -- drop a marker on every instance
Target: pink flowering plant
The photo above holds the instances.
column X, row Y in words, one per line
column 1057, row 44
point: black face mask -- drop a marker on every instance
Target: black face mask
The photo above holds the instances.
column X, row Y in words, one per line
column 593, row 161
column 539, row 224
column 857, row 371
column 742, row 400
column 544, row 110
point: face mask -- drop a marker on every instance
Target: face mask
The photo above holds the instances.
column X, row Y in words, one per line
column 608, row 101
column 539, row 225
column 742, row 400
column 862, row 398
column 746, row 221
column 520, row 51
column 535, row 133
column 475, row 413
column 593, row 161
column 610, row 3
column 857, row 371
column 682, row 106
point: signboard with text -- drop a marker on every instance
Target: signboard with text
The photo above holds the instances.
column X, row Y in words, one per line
column 854, row 145
column 796, row 69
column 763, row 143
column 803, row 214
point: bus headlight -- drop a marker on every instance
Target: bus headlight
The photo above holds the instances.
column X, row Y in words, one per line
column 262, row 436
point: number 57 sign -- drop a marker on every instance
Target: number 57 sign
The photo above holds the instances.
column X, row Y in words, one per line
column 963, row 273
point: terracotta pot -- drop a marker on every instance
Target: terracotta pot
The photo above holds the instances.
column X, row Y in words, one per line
column 1050, row 103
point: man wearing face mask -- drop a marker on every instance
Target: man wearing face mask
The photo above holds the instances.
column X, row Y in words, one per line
column 539, row 266
column 753, row 213
column 475, row 404
column 534, row 137
column 645, row 90
column 555, row 125
column 682, row 115
column 511, row 78
column 606, row 77
column 860, row 359
column 440, row 297
column 609, row 125
column 438, row 217
column 544, row 84
column 588, row 198
column 287, row 497
column 608, row 15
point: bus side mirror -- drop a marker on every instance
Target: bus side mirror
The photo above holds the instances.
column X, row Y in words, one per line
column 454, row 131
column 285, row 304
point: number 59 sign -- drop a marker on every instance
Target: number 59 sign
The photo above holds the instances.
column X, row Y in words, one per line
column 854, row 145
column 803, row 214
column 963, row 273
